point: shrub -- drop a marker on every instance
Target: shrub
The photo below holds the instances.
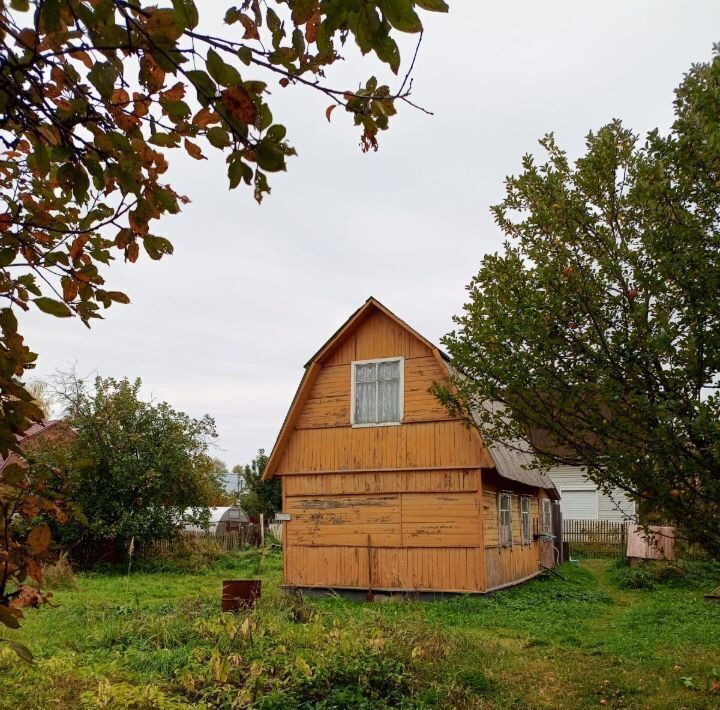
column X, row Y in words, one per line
column 185, row 553
column 651, row 574
column 59, row 575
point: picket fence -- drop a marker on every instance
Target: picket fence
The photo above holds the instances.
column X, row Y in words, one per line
column 594, row 538
column 605, row 538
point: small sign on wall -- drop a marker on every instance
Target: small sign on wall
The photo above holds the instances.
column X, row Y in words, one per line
column 282, row 517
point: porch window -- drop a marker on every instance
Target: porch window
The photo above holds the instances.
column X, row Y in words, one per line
column 546, row 516
column 505, row 519
column 525, row 520
column 377, row 392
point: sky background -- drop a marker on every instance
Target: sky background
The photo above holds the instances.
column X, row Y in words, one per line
column 225, row 325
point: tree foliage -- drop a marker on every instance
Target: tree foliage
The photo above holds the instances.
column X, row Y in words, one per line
column 31, row 500
column 135, row 466
column 597, row 329
column 95, row 95
column 259, row 496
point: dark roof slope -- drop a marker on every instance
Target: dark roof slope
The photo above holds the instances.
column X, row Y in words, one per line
column 516, row 465
column 32, row 430
column 514, row 461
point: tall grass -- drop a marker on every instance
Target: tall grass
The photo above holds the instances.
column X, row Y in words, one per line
column 158, row 640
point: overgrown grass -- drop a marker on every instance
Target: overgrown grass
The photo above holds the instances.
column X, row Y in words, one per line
column 158, row 640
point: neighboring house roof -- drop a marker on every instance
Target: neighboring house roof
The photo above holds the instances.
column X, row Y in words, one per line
column 33, row 430
column 509, row 463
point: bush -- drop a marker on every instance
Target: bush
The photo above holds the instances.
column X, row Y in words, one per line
column 183, row 554
column 59, row 575
column 651, row 574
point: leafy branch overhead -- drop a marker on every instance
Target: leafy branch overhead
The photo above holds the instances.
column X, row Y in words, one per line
column 93, row 95
column 96, row 94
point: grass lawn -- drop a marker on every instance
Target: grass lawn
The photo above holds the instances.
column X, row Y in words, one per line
column 157, row 640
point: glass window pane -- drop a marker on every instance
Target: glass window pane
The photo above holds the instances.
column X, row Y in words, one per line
column 389, row 401
column 388, row 370
column 365, row 373
column 364, row 402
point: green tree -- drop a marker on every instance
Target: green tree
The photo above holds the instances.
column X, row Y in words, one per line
column 31, row 501
column 95, row 95
column 135, row 466
column 595, row 334
column 259, row 496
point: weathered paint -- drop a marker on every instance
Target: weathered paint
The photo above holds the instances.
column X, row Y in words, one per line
column 404, row 507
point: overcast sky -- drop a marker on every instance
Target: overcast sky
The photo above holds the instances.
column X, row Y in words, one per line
column 225, row 325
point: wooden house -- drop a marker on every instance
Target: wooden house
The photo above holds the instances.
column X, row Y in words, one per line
column 382, row 489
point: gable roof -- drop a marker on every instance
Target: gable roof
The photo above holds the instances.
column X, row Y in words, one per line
column 372, row 304
column 508, row 463
column 312, row 367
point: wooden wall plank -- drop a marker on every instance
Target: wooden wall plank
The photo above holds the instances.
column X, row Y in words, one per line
column 509, row 564
column 337, row 520
column 368, row 482
column 398, row 568
column 428, row 520
column 422, row 445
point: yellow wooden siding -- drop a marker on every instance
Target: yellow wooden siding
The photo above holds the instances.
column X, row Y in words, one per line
column 516, row 525
column 437, row 444
column 510, row 564
column 328, row 403
column 387, row 520
column 438, row 481
column 377, row 336
column 335, row 520
column 440, row 520
column 420, row 569
column 490, row 518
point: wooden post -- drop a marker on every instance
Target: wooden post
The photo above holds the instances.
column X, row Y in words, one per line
column 262, row 530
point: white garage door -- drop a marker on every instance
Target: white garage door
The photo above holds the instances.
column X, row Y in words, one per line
column 579, row 505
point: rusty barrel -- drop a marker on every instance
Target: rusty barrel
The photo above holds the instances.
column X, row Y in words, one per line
column 240, row 593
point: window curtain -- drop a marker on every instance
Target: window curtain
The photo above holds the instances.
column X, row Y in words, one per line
column 505, row 520
column 525, row 519
column 365, row 383
column 388, row 401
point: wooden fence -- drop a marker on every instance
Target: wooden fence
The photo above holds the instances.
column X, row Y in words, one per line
column 246, row 536
column 594, row 538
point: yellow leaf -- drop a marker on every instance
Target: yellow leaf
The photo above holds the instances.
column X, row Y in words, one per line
column 194, row 150
column 302, row 665
column 38, row 539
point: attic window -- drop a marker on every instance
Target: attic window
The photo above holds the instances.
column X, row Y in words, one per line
column 377, row 392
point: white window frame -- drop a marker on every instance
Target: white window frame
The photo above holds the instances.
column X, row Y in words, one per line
column 401, row 391
column 546, row 516
column 501, row 541
column 525, row 516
